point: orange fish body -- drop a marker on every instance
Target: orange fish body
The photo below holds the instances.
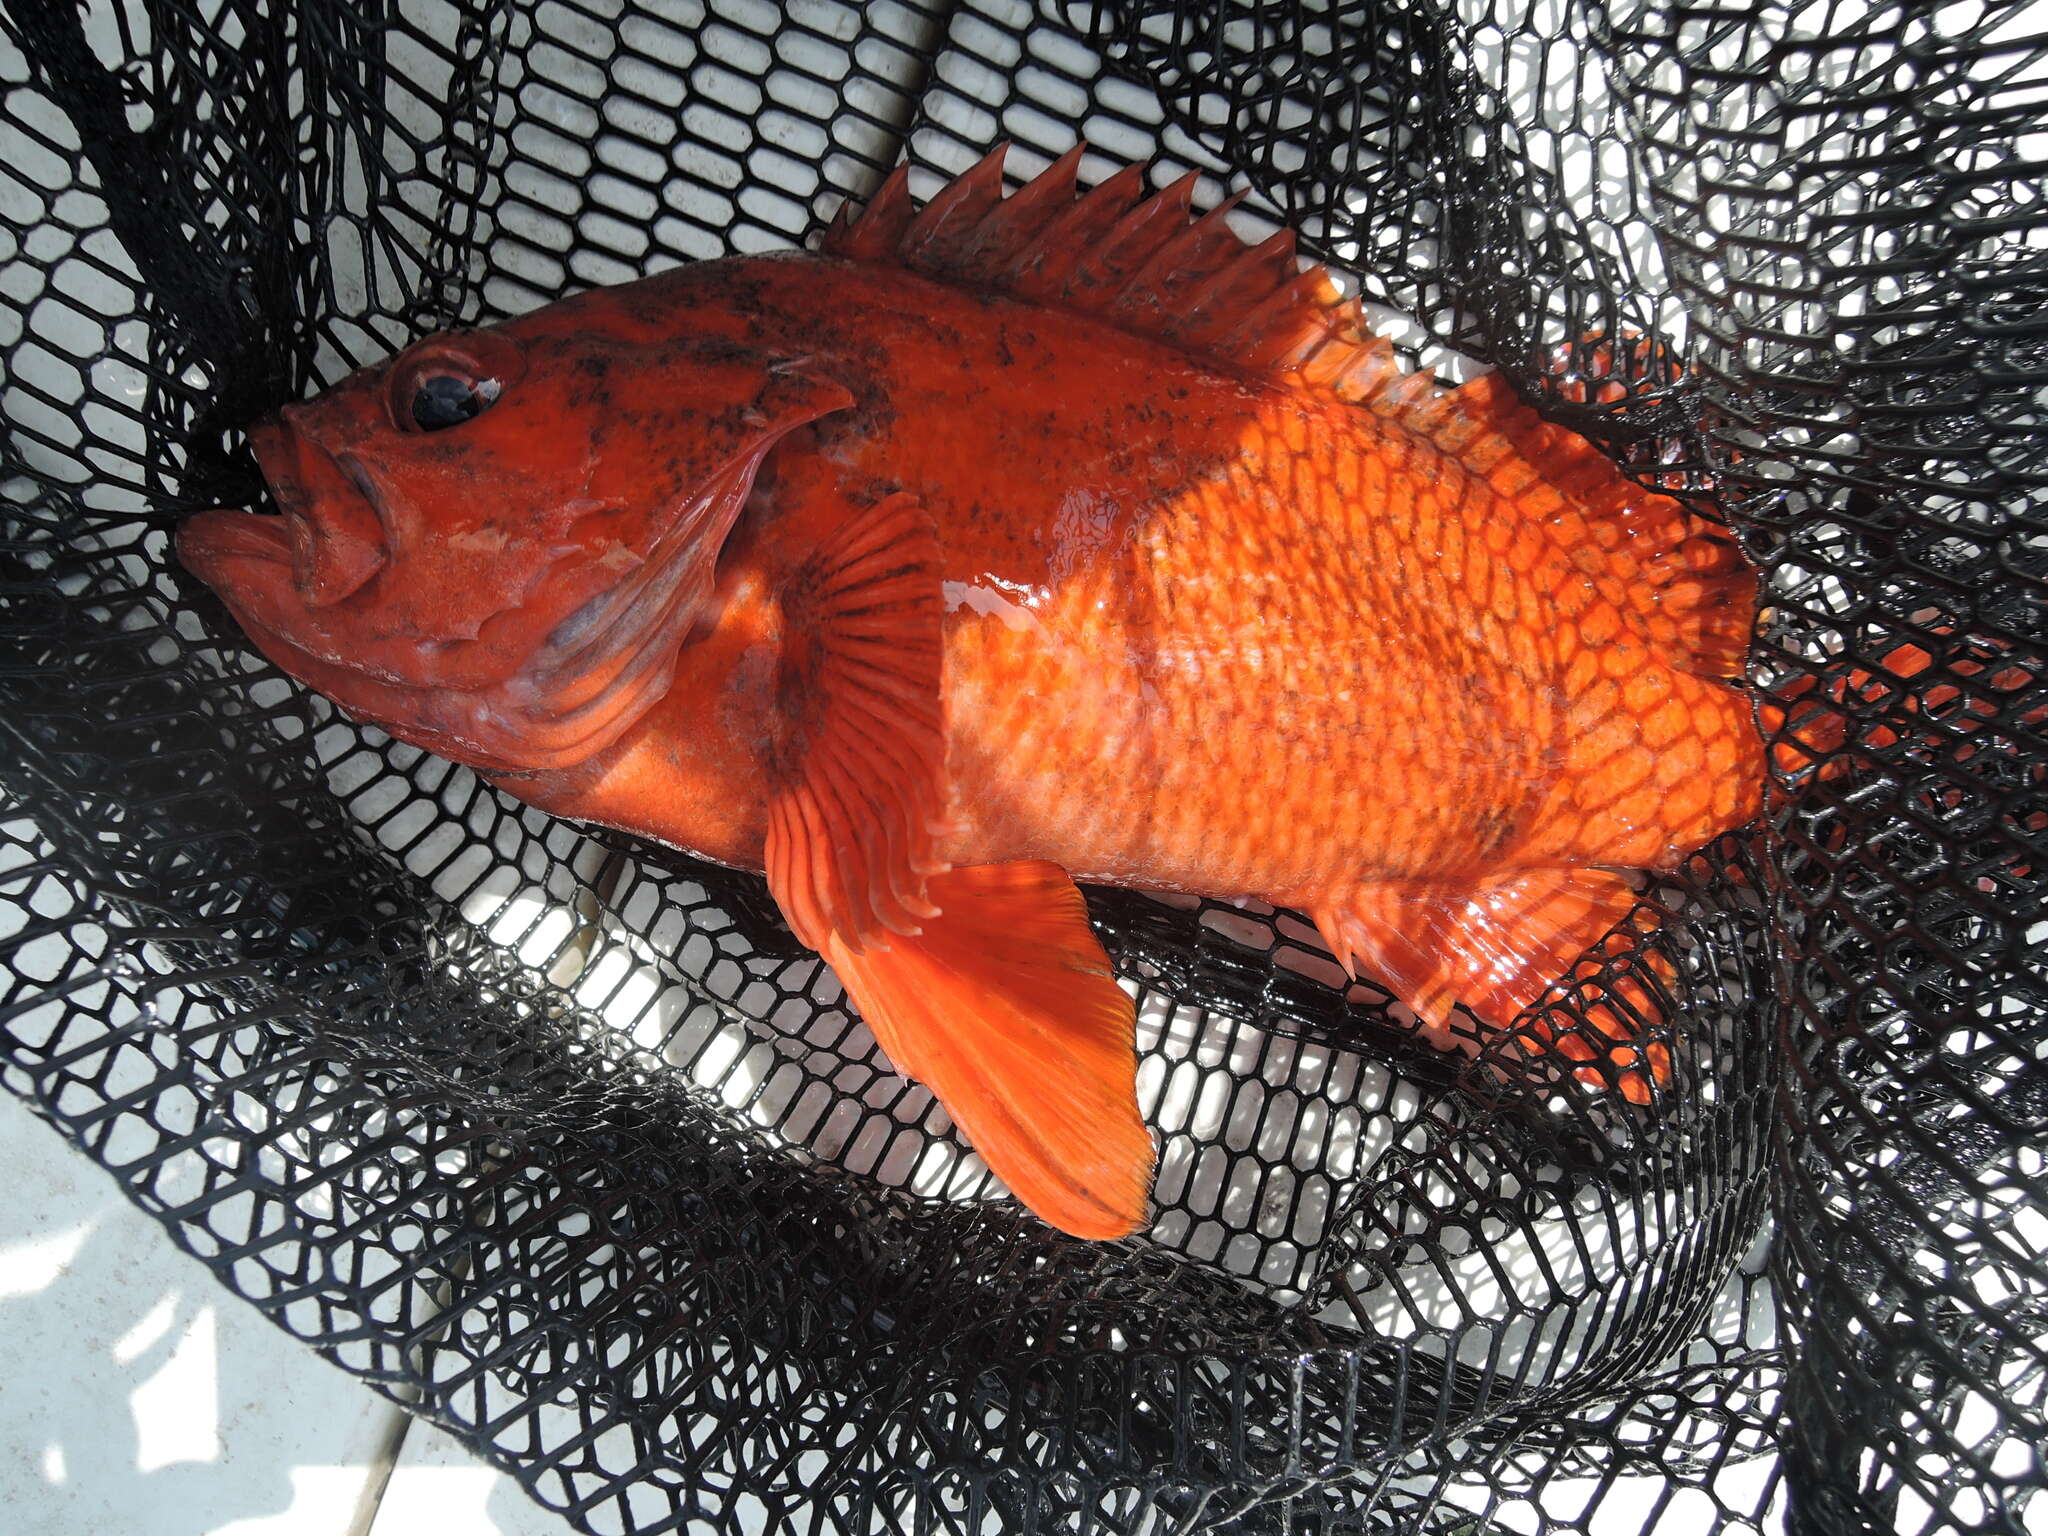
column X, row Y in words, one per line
column 1014, row 540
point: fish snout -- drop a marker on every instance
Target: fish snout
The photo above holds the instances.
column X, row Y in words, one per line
column 331, row 504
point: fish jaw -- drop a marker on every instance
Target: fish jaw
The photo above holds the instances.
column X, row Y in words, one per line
column 604, row 657
column 333, row 557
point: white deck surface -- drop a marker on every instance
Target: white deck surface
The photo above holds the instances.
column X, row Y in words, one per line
column 142, row 1399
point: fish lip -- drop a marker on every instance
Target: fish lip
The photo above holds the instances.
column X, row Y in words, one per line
column 280, row 449
column 207, row 539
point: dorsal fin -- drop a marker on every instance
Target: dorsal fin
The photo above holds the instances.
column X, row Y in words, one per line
column 1147, row 266
column 1140, row 262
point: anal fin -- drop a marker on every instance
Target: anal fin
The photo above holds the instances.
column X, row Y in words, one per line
column 1497, row 946
column 1004, row 1006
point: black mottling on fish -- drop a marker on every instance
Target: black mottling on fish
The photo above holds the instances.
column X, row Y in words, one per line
column 1494, row 827
column 738, row 290
column 735, row 421
column 868, row 490
column 714, row 350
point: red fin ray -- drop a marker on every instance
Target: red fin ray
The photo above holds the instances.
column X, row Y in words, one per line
column 985, row 254
column 941, row 228
column 1004, row 1006
column 987, row 984
column 1496, row 946
column 1189, row 258
column 1138, row 261
column 874, row 232
column 1982, row 685
column 1355, row 373
column 1133, row 241
column 1283, row 324
column 1216, row 312
column 1045, row 266
column 849, row 841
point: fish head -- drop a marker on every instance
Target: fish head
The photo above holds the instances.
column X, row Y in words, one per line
column 495, row 544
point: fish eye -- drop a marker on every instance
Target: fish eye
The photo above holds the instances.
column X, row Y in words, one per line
column 449, row 379
column 441, row 400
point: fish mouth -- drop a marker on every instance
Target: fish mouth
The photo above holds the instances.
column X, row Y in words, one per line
column 329, row 525
column 211, row 544
column 596, row 671
column 323, row 543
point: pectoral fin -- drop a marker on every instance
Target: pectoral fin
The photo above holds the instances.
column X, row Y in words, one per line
column 1005, row 1008
column 860, row 780
column 986, row 984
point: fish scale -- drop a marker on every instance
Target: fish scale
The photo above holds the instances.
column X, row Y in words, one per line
column 1011, row 540
column 1275, row 572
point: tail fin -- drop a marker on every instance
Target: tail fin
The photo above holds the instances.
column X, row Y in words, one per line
column 1809, row 723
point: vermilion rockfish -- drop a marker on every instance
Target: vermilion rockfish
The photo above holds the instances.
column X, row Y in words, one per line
column 1009, row 541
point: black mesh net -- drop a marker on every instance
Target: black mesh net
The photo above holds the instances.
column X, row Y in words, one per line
column 566, row 1141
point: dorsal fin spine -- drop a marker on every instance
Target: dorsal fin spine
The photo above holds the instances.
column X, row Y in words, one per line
column 1139, row 261
column 955, row 213
column 988, row 252
column 1186, row 258
column 1276, row 325
column 1357, row 363
column 1216, row 307
column 874, row 233
column 1113, row 253
column 1040, row 200
column 1059, row 249
column 1108, row 270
